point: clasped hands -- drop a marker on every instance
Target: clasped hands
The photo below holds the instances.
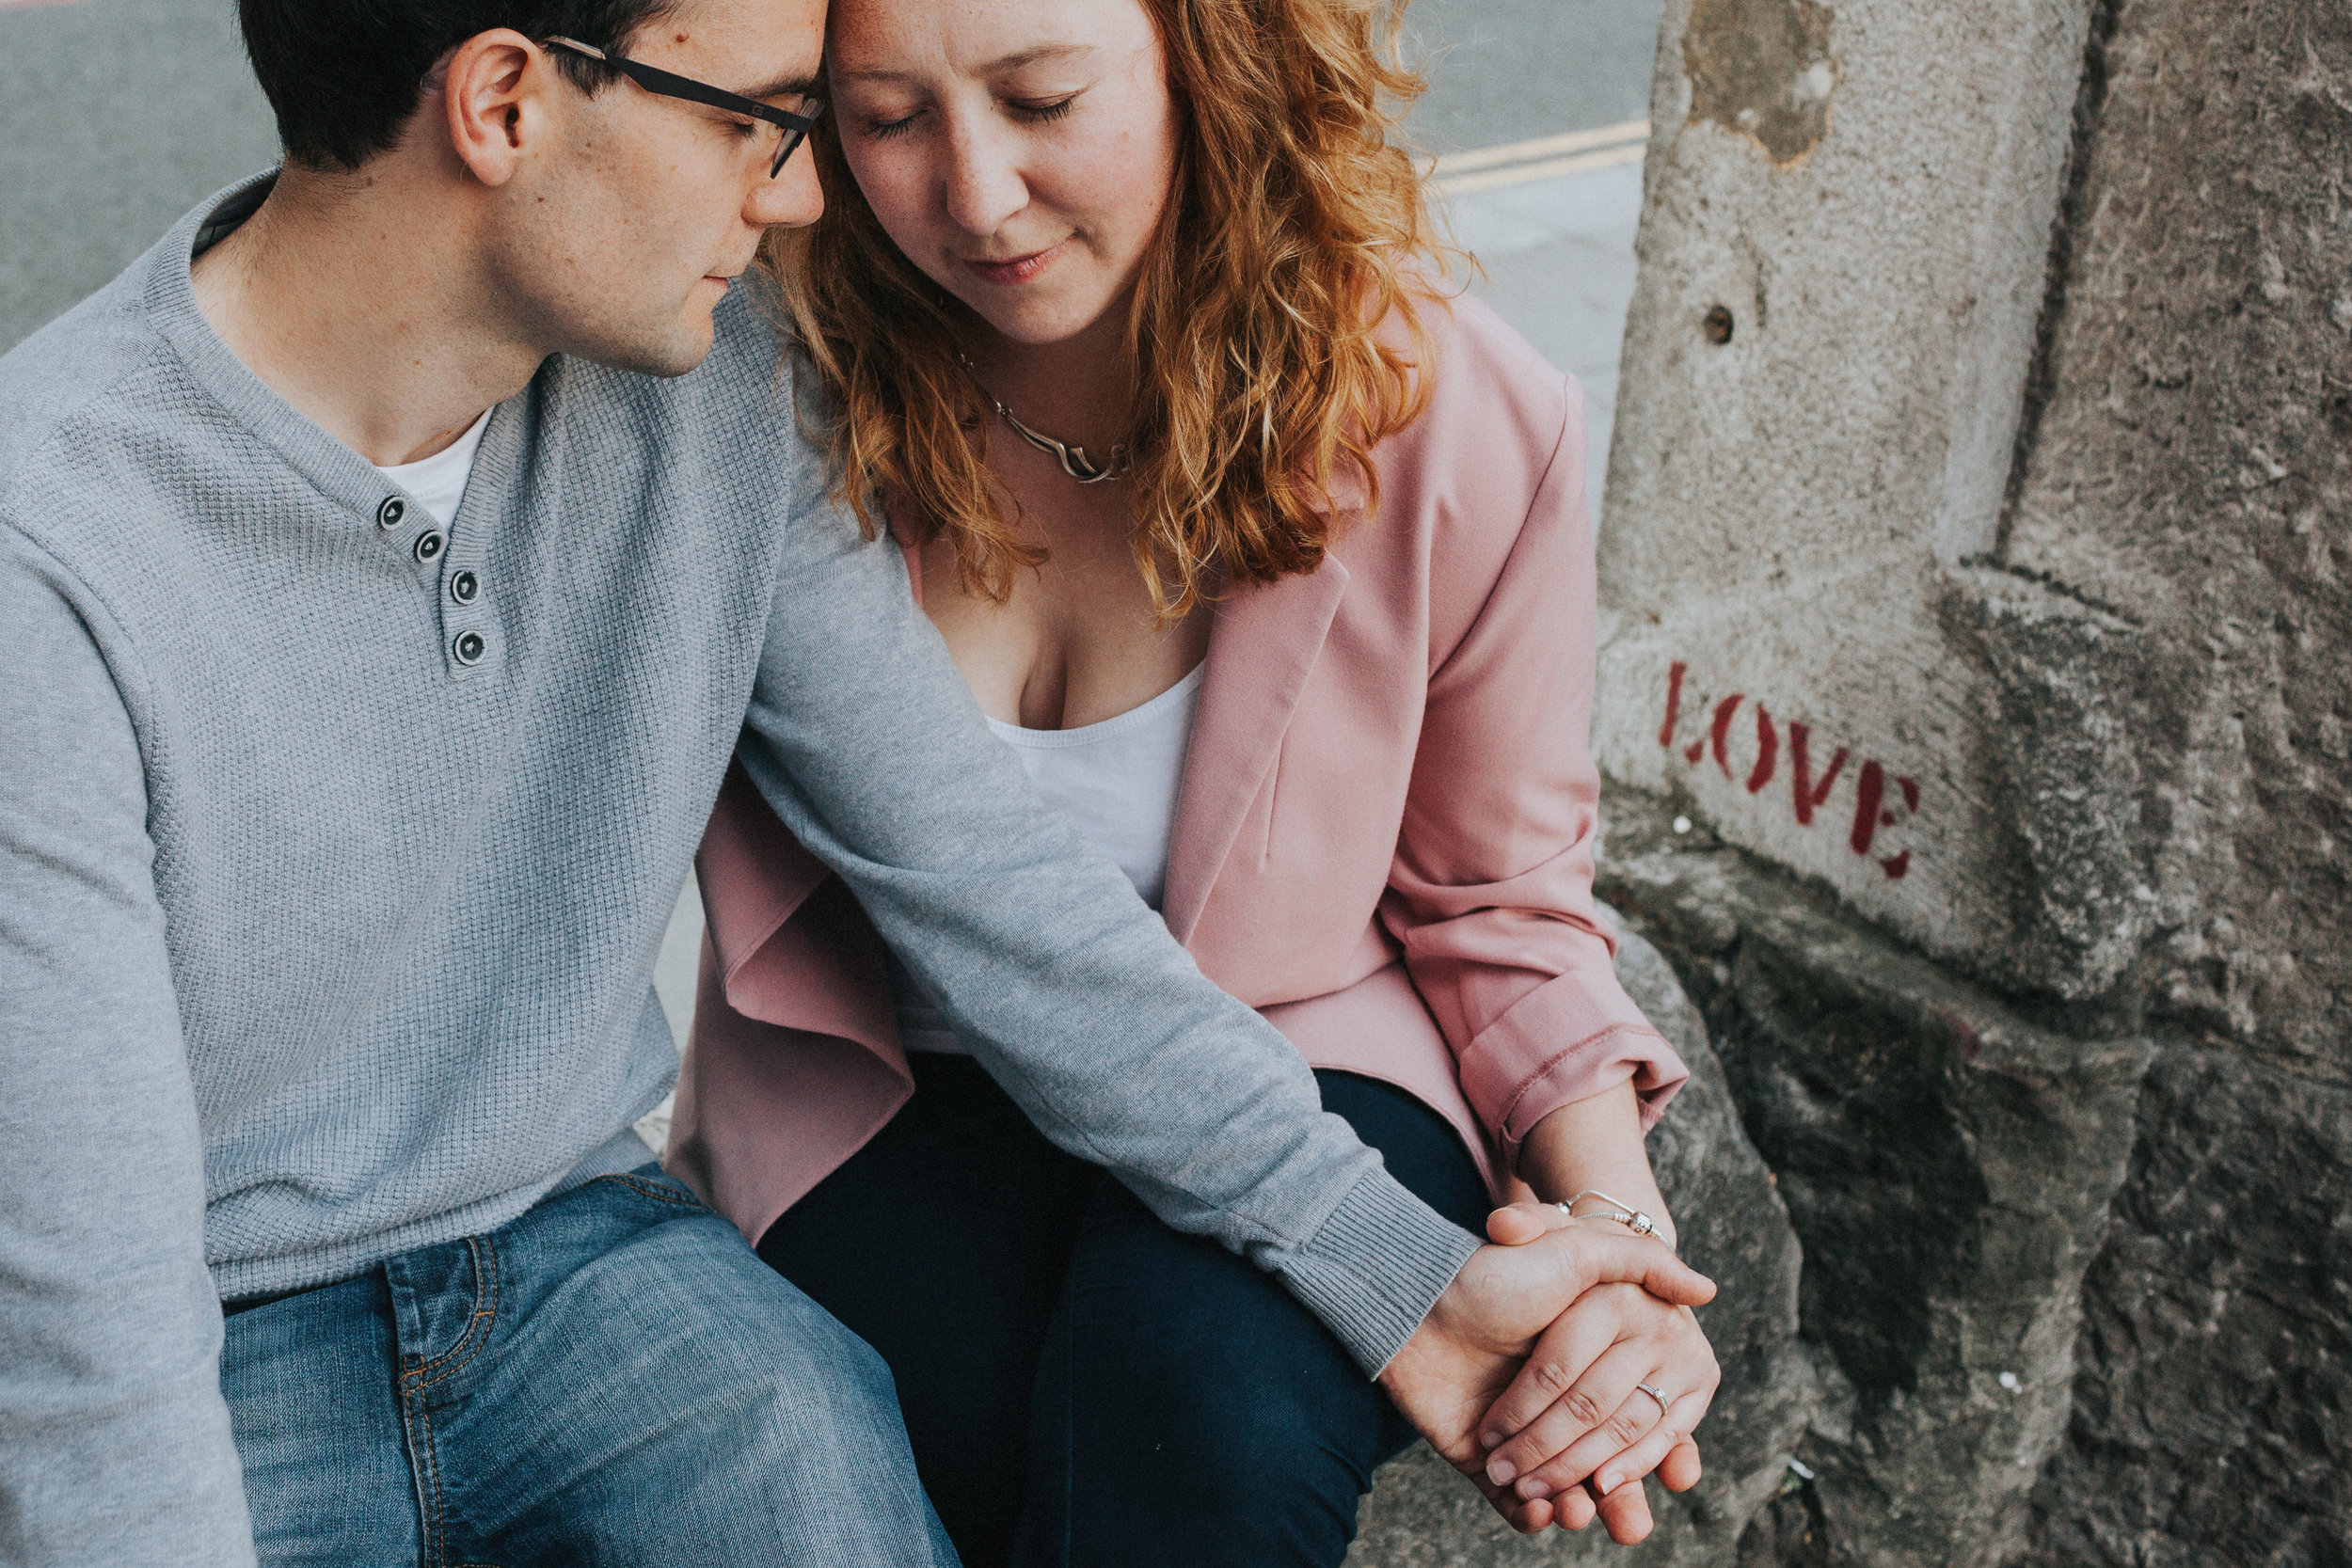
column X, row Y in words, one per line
column 1527, row 1374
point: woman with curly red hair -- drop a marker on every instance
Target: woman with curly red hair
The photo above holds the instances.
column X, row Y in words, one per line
column 1270, row 557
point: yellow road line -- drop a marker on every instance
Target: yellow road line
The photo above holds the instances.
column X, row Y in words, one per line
column 1520, row 174
column 1541, row 147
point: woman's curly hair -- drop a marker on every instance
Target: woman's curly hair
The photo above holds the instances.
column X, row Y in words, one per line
column 1296, row 229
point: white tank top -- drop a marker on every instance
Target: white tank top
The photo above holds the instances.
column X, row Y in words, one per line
column 1118, row 780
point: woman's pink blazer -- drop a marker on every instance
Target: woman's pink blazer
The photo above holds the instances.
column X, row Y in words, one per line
column 1383, row 839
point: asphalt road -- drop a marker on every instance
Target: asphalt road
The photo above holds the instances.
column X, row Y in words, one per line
column 1506, row 71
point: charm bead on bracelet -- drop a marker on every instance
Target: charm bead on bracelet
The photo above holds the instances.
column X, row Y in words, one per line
column 1619, row 1210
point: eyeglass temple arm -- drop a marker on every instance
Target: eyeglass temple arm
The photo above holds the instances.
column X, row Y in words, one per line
column 654, row 79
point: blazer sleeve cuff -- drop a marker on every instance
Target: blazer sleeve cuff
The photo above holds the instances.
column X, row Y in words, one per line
column 1568, row 1039
column 1376, row 1266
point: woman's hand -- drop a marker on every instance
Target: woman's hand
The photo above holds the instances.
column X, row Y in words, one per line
column 1576, row 1427
column 1593, row 1147
column 1503, row 1306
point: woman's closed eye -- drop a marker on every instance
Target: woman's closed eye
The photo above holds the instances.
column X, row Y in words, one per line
column 1029, row 111
column 1042, row 113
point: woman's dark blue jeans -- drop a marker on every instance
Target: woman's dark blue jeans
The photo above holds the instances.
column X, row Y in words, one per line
column 1084, row 1386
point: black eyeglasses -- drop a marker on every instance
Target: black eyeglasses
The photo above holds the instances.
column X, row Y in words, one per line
column 663, row 83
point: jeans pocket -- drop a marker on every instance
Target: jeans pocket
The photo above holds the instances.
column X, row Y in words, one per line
column 445, row 1300
column 656, row 1185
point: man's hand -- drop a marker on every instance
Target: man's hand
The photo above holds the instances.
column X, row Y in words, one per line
column 1468, row 1350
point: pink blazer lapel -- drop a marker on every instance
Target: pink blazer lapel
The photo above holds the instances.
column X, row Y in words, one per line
column 1261, row 652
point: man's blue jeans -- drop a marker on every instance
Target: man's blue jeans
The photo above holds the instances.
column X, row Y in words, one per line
column 614, row 1378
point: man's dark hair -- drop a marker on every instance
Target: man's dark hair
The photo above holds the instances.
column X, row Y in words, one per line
column 344, row 75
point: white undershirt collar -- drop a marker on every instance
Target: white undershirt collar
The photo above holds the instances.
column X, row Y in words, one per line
column 438, row 483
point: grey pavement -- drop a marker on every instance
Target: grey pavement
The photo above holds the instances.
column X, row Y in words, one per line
column 116, row 117
column 1558, row 261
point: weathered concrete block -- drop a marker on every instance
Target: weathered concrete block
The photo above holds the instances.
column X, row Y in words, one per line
column 1843, row 253
column 1947, row 1165
column 2059, row 681
column 2213, row 1398
column 1734, row 1229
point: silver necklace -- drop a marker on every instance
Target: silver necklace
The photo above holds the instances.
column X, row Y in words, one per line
column 1074, row 461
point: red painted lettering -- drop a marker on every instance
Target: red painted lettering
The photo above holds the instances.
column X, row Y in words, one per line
column 1720, row 735
column 1767, row 751
column 1810, row 796
column 1869, row 796
column 1873, row 808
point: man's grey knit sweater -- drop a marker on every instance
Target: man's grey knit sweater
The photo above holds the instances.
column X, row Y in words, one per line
column 329, row 902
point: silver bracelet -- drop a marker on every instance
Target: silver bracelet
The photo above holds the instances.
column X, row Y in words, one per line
column 1619, row 1210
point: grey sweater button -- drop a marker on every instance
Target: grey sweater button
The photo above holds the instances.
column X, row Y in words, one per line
column 429, row 545
column 391, row 512
column 465, row 587
column 469, row 648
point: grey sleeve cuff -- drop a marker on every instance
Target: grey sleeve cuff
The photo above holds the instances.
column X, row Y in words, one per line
column 1375, row 1267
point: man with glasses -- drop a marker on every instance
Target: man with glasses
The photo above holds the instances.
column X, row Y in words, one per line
column 791, row 125
column 392, row 563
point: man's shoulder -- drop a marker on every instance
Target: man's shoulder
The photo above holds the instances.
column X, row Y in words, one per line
column 68, row 368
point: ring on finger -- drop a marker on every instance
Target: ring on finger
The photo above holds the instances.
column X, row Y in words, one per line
column 1666, row 1406
column 1620, row 1454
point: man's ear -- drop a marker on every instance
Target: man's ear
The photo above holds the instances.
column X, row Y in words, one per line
column 494, row 88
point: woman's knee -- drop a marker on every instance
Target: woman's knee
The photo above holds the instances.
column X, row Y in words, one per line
column 1251, row 1431
column 1256, row 1459
column 1218, row 1472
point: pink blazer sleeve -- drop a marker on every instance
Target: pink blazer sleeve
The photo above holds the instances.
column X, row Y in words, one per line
column 1491, row 891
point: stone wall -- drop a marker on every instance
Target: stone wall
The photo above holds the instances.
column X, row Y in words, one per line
column 1947, row 1160
column 2188, row 481
column 1977, row 666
